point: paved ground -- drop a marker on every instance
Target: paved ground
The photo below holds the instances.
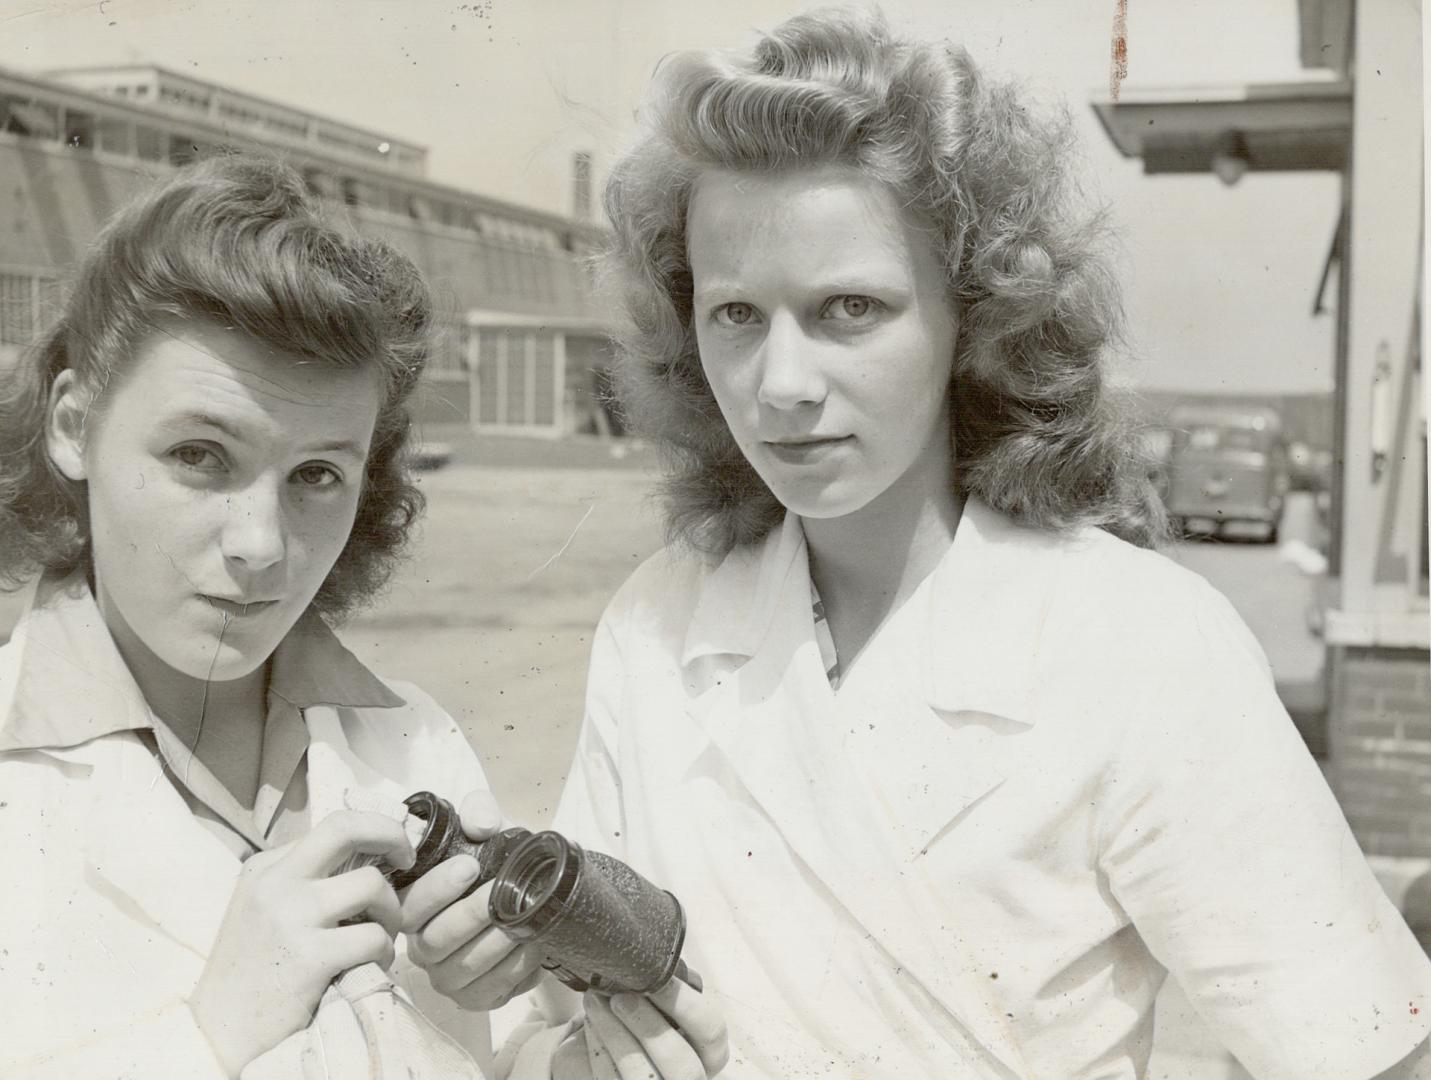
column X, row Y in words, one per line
column 493, row 616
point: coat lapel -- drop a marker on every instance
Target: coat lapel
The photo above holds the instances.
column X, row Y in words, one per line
column 334, row 769
column 948, row 712
column 145, row 844
column 767, row 719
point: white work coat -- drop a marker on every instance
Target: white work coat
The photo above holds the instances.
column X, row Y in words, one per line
column 1057, row 773
column 114, row 890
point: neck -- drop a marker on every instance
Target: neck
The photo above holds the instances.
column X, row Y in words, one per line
column 189, row 705
column 881, row 552
column 207, row 716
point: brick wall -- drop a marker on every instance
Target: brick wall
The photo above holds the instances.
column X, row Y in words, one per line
column 1379, row 728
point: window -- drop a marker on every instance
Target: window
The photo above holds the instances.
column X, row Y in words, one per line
column 321, row 184
column 581, row 185
column 487, row 376
column 27, row 304
column 185, row 148
column 35, row 119
column 517, row 367
column 151, row 144
column 79, row 130
column 543, row 380
column 449, row 347
column 517, row 378
column 115, row 135
column 17, row 309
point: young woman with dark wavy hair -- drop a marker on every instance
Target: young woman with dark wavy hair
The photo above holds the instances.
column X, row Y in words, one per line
column 200, row 471
column 949, row 768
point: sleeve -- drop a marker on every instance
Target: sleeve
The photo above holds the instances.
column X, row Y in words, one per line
column 438, row 756
column 1227, row 850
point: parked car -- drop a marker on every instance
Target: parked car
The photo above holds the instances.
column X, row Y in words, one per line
column 1310, row 468
column 1228, row 465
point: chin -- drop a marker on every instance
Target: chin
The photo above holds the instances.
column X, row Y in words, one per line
column 830, row 502
column 212, row 661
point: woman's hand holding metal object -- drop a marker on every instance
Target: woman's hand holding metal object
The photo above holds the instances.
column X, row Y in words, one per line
column 486, row 921
column 288, row 932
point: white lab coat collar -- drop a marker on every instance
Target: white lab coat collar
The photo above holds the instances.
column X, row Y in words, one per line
column 991, row 595
column 739, row 596
column 63, row 681
column 863, row 827
column 65, row 692
column 143, row 842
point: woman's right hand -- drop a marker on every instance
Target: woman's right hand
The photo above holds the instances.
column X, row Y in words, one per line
column 281, row 941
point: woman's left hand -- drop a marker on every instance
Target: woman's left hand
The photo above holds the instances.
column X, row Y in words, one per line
column 677, row 1033
column 467, row 958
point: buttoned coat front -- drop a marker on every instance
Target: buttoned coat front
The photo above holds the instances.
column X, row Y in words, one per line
column 1057, row 773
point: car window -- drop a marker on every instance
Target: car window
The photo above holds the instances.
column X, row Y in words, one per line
column 1214, row 437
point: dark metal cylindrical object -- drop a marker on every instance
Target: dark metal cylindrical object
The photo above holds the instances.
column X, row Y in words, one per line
column 597, row 923
column 444, row 838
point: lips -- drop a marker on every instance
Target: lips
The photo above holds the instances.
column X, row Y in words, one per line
column 238, row 609
column 807, row 449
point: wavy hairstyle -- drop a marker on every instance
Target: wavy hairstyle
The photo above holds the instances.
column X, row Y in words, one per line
column 1038, row 433
column 238, row 240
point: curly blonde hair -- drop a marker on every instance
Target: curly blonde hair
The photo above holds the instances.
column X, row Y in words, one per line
column 1038, row 433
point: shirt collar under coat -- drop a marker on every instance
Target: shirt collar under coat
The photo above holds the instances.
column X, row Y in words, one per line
column 70, row 685
column 986, row 610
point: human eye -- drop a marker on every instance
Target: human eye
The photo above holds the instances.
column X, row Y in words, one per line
column 735, row 313
column 316, row 475
column 197, row 457
column 849, row 307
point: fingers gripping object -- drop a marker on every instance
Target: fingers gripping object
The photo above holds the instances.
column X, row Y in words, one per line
column 597, row 924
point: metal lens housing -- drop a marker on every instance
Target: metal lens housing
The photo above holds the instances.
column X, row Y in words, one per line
column 534, row 889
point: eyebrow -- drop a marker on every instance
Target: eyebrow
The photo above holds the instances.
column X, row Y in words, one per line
column 203, row 419
column 835, row 284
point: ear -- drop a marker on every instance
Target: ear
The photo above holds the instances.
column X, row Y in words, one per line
column 65, row 424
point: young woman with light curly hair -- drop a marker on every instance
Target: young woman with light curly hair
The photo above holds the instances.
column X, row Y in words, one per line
column 949, row 768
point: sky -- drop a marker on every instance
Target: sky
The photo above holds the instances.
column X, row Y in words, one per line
column 1219, row 282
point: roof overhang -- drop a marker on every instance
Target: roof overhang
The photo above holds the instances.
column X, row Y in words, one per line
column 1267, row 126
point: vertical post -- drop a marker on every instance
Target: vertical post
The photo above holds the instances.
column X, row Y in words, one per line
column 559, row 410
column 1382, row 265
column 472, row 346
column 529, row 391
column 500, row 417
column 1380, row 701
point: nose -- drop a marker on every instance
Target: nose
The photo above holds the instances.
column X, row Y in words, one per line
column 255, row 532
column 790, row 372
